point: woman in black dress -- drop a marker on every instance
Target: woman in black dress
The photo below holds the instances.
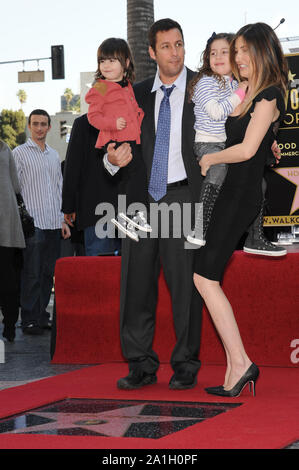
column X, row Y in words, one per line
column 256, row 56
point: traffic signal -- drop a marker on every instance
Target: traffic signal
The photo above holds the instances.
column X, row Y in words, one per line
column 63, row 128
column 57, row 57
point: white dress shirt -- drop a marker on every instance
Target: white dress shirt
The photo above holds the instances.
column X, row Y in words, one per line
column 40, row 178
column 176, row 168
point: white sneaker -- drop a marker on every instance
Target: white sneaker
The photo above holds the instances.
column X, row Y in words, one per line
column 196, row 241
column 138, row 220
column 128, row 229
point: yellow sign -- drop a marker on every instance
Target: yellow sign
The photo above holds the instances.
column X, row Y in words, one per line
column 281, row 220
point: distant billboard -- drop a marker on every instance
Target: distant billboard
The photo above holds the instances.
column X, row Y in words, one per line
column 31, row 76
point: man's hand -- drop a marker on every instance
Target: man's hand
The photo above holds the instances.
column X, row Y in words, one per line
column 65, row 231
column 276, row 152
column 121, row 156
column 70, row 218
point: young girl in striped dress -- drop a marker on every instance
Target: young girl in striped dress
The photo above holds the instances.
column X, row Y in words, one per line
column 215, row 95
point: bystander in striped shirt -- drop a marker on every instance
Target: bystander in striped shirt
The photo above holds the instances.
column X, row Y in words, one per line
column 40, row 179
column 213, row 102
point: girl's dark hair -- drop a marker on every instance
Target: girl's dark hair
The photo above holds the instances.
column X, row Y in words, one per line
column 269, row 63
column 205, row 69
column 116, row 48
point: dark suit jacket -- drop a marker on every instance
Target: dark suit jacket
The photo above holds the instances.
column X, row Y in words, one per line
column 86, row 183
column 146, row 101
column 138, row 291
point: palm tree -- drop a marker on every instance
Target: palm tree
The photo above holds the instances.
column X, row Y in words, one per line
column 76, row 106
column 22, row 95
column 140, row 16
column 68, row 94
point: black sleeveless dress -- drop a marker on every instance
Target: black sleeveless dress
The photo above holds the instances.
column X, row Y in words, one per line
column 240, row 197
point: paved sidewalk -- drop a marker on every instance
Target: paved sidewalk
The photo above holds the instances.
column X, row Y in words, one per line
column 28, row 358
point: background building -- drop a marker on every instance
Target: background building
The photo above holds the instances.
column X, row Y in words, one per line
column 62, row 119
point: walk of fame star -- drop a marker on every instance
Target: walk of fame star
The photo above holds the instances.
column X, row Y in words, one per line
column 110, row 418
column 291, row 174
column 112, row 423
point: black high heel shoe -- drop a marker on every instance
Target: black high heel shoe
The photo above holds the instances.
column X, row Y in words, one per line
column 250, row 377
column 211, row 390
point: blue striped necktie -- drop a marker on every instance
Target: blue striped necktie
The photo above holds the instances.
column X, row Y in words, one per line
column 159, row 173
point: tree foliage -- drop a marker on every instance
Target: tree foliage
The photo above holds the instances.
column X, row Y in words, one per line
column 22, row 95
column 68, row 94
column 12, row 127
column 72, row 101
column 76, row 106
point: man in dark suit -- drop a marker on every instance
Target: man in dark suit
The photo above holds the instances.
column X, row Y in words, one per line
column 141, row 262
column 85, row 185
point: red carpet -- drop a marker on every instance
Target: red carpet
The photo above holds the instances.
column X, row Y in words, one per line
column 268, row 421
column 263, row 291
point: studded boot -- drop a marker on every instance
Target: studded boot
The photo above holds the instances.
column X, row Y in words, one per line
column 256, row 243
column 208, row 198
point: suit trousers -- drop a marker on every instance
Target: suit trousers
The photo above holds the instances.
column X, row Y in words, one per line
column 141, row 265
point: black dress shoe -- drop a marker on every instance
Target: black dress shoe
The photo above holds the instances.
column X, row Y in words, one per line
column 136, row 379
column 47, row 326
column 182, row 380
column 32, row 329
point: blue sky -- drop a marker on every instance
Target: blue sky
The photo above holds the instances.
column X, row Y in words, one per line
column 29, row 28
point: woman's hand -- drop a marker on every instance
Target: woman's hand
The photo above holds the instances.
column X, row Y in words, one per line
column 70, row 218
column 121, row 123
column 65, row 230
column 243, row 85
column 276, row 152
column 205, row 164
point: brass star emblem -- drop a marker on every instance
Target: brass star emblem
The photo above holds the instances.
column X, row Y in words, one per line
column 291, row 76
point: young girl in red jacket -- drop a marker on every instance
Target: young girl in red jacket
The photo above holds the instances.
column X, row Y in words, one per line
column 113, row 110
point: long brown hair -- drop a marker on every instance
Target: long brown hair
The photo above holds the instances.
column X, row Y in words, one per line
column 205, row 69
column 268, row 61
column 116, row 48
